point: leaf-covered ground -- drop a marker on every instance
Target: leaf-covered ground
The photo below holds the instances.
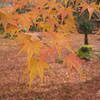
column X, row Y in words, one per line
column 55, row 86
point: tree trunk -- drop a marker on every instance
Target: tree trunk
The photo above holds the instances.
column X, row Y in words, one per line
column 98, row 2
column 86, row 39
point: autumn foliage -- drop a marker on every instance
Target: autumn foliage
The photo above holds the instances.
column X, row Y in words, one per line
column 55, row 20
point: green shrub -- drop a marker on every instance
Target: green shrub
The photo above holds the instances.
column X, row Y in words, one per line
column 23, row 10
column 34, row 28
column 37, row 99
column 59, row 60
column 7, row 35
column 1, row 29
column 85, row 52
column 86, row 27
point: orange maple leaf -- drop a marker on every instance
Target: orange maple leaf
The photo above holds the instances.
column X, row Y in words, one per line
column 66, row 12
column 73, row 62
column 89, row 7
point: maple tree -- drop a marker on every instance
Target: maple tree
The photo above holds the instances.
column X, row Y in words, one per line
column 55, row 20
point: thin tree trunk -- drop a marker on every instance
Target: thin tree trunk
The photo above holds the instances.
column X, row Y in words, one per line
column 86, row 39
column 98, row 2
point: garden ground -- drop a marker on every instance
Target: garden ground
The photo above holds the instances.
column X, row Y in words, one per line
column 56, row 86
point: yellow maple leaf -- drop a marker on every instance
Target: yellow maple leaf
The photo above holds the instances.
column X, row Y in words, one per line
column 36, row 68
